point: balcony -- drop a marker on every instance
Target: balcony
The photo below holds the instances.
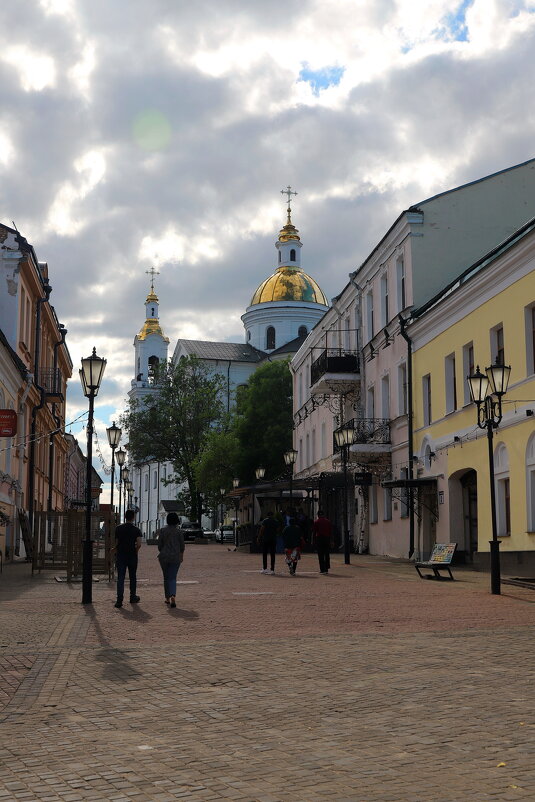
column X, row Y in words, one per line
column 52, row 383
column 372, row 438
column 334, row 371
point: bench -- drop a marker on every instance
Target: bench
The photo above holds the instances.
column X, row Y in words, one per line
column 440, row 560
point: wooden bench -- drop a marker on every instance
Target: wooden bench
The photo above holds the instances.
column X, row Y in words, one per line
column 440, row 560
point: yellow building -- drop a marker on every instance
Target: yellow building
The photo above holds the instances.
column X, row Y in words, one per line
column 487, row 314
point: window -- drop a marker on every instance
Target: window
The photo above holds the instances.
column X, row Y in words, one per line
column 307, row 446
column 22, row 329
column 468, row 369
column 530, row 338
column 426, row 392
column 402, row 389
column 301, row 460
column 270, row 338
column 371, row 402
column 146, row 482
column 303, row 331
column 503, row 490
column 530, row 477
column 451, row 389
column 323, row 440
column 373, row 504
column 497, row 345
column 313, row 446
column 385, row 397
column 300, row 389
column 369, row 315
column 155, row 479
column 347, row 335
column 387, row 504
column 292, row 255
column 280, row 257
column 400, row 276
column 248, row 335
column 384, row 300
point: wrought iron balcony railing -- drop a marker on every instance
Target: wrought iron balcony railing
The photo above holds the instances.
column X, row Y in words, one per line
column 368, row 431
column 334, row 360
column 52, row 382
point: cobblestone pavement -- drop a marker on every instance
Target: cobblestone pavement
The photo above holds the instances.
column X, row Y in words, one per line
column 367, row 685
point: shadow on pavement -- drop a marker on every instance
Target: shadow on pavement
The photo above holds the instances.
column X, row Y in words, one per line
column 117, row 663
column 190, row 615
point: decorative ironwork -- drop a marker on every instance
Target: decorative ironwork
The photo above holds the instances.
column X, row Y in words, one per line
column 334, row 360
column 51, row 381
column 368, row 431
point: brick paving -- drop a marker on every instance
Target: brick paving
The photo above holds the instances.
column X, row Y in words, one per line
column 367, row 685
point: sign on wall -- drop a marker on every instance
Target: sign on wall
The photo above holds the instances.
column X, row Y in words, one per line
column 8, row 423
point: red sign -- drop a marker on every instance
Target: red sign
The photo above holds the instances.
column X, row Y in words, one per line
column 8, row 423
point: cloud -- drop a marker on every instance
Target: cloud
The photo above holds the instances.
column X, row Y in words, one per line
column 147, row 133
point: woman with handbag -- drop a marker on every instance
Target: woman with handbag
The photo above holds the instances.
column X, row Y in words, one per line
column 171, row 553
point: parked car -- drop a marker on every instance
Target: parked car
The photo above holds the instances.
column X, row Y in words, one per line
column 191, row 530
column 225, row 534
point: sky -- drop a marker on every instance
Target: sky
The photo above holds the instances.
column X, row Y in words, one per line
column 159, row 133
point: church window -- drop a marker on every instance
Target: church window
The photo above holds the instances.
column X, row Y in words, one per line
column 270, row 338
column 152, row 311
column 248, row 335
column 280, row 257
column 153, row 367
column 303, row 331
column 292, row 255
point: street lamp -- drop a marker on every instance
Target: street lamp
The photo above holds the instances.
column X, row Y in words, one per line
column 114, row 438
column 120, row 457
column 222, row 490
column 290, row 458
column 125, row 475
column 91, row 374
column 259, row 473
column 345, row 437
column 235, row 485
column 486, row 392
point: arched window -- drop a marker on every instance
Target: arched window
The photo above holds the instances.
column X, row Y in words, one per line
column 530, row 478
column 280, row 257
column 248, row 335
column 292, row 255
column 153, row 367
column 270, row 338
column 303, row 331
column 503, row 490
column 152, row 311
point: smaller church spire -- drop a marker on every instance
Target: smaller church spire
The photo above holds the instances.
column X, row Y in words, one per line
column 289, row 231
column 152, row 295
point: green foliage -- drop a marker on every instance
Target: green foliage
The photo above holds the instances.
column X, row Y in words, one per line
column 216, row 465
column 263, row 424
column 173, row 422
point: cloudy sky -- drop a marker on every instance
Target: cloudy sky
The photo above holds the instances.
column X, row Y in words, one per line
column 140, row 133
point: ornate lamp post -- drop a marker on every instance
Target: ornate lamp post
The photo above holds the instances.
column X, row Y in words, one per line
column 114, row 438
column 91, row 374
column 486, row 391
column 235, row 485
column 125, row 476
column 345, row 437
column 290, row 458
column 259, row 473
column 120, row 457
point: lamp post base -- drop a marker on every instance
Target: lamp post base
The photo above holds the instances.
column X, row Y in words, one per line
column 495, row 579
column 87, row 573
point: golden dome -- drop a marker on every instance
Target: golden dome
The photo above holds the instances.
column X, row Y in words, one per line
column 151, row 326
column 289, row 284
column 151, row 297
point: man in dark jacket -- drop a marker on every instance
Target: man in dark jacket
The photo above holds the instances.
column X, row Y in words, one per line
column 127, row 545
column 322, row 532
column 268, row 537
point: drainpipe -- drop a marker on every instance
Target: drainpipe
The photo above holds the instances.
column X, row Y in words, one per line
column 20, row 454
column 410, row 424
column 51, row 446
column 31, row 464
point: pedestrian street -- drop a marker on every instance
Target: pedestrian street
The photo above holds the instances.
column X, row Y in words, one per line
column 365, row 685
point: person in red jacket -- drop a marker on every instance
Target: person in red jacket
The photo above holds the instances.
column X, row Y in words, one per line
column 322, row 531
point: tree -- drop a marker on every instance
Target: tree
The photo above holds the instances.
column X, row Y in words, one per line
column 263, row 424
column 216, row 465
column 172, row 423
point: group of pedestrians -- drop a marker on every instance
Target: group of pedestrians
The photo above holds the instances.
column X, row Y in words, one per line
column 171, row 550
column 293, row 540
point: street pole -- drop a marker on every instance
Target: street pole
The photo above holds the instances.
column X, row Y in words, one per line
column 347, row 557
column 494, row 544
column 87, row 554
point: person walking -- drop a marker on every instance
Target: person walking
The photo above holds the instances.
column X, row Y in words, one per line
column 170, row 554
column 322, row 532
column 127, row 545
column 268, row 537
column 293, row 541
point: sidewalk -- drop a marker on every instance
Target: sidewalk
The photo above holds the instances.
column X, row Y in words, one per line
column 367, row 685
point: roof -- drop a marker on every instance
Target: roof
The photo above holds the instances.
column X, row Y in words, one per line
column 231, row 352
column 289, row 284
column 172, row 506
column 290, row 348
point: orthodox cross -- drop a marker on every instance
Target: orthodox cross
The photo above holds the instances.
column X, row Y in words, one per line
column 289, row 193
column 152, row 272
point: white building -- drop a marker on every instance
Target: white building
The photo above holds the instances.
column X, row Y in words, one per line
column 355, row 366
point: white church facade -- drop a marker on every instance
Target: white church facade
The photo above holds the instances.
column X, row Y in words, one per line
column 283, row 310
